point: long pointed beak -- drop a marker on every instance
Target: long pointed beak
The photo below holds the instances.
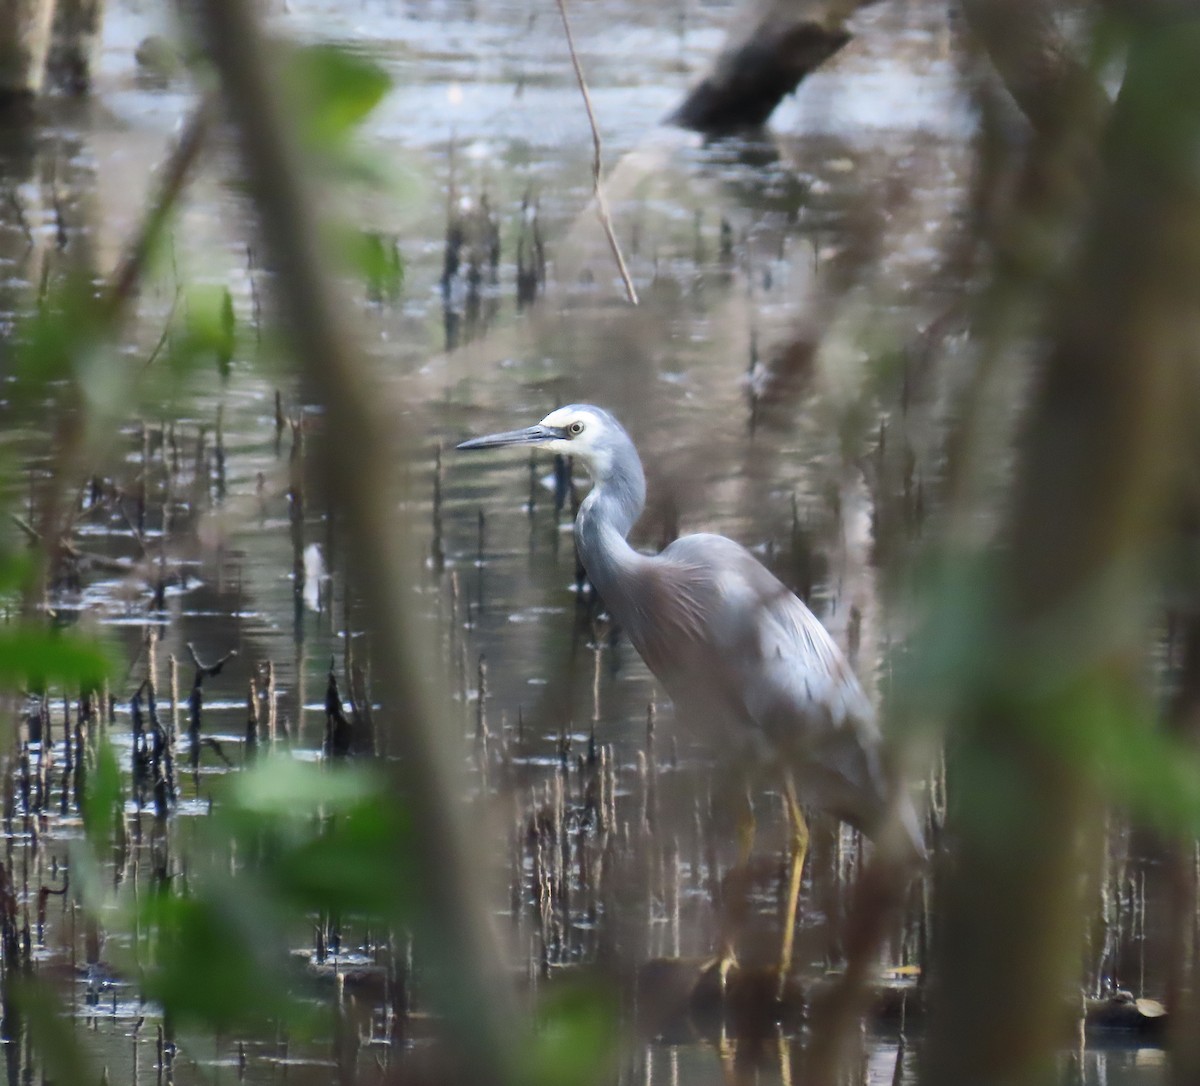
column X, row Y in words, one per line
column 531, row 435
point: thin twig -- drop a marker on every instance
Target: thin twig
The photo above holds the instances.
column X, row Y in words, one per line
column 34, row 535
column 166, row 332
column 598, row 189
column 204, row 670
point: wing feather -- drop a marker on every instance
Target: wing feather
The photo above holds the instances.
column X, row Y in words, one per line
column 733, row 645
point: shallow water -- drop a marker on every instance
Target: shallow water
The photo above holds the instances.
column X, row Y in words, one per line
column 835, row 231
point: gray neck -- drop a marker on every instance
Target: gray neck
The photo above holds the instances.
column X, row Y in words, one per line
column 604, row 520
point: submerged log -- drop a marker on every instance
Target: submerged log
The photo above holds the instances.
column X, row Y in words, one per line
column 774, row 44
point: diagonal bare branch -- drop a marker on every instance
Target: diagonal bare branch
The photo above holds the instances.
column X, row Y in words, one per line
column 597, row 186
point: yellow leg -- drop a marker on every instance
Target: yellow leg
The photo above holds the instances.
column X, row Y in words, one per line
column 727, row 1054
column 799, row 849
column 784, row 1045
column 733, row 893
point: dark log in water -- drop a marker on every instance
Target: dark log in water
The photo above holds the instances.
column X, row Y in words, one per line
column 774, row 44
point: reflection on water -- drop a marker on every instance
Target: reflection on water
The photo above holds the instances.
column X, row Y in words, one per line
column 779, row 1062
column 773, row 380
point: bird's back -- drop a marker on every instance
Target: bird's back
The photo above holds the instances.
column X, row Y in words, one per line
column 736, row 648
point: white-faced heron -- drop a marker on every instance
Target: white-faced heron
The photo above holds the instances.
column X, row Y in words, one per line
column 740, row 655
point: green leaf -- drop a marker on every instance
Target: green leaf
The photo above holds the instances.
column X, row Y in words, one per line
column 335, row 89
column 32, row 657
column 16, row 567
column 323, row 837
column 355, row 863
column 1154, row 773
column 102, row 798
column 283, row 785
column 952, row 651
column 50, row 342
column 207, row 332
column 377, row 259
column 209, row 965
column 54, row 1039
column 575, row 1039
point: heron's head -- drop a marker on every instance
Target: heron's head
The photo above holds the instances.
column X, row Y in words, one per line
column 590, row 434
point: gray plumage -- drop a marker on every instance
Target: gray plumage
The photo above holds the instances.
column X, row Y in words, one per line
column 740, row 655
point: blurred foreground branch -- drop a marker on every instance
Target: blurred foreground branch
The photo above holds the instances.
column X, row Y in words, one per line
column 1065, row 610
column 1038, row 65
column 362, row 453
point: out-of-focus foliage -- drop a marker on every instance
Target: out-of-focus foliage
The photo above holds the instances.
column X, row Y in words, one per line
column 304, row 840
column 50, row 343
column 15, row 570
column 575, row 1033
column 32, row 656
column 1102, row 727
column 377, row 259
column 207, row 331
column 334, row 91
column 217, row 957
column 308, row 840
column 57, row 345
column 301, row 840
column 102, row 799
column 325, row 838
column 51, row 1031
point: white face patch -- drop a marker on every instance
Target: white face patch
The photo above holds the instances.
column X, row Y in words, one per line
column 584, row 445
column 562, row 417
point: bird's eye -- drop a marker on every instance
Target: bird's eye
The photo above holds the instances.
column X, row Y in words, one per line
column 575, row 429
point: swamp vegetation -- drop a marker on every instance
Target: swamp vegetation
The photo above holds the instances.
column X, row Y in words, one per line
column 323, row 761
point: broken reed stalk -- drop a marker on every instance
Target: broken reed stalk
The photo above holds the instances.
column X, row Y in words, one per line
column 597, row 186
column 272, row 704
column 196, row 702
column 252, row 718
